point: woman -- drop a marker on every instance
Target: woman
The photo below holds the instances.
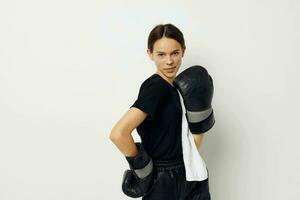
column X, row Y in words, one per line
column 157, row 116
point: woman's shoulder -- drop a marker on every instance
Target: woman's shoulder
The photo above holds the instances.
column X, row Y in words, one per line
column 154, row 82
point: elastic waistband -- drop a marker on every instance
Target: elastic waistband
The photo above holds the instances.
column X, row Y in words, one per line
column 168, row 164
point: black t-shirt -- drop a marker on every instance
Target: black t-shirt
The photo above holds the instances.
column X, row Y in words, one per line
column 160, row 132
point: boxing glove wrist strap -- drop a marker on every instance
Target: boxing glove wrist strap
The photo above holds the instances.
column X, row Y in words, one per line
column 144, row 172
column 198, row 116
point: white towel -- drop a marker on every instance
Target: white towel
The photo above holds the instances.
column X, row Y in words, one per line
column 195, row 167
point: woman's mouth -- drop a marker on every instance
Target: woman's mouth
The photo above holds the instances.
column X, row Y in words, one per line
column 170, row 70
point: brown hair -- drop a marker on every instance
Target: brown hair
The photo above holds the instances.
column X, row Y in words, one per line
column 167, row 30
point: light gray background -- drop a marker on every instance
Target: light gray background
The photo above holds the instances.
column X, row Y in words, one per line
column 70, row 69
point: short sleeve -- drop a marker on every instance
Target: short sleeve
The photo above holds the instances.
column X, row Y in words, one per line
column 150, row 97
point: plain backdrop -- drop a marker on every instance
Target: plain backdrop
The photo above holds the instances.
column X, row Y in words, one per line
column 70, row 69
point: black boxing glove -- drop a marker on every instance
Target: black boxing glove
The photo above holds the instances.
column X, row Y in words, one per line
column 138, row 181
column 196, row 88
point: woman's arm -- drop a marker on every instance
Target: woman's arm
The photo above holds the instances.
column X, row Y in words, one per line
column 198, row 139
column 121, row 133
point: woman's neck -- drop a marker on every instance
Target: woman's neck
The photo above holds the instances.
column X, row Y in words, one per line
column 170, row 81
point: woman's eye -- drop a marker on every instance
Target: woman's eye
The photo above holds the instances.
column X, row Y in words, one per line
column 160, row 54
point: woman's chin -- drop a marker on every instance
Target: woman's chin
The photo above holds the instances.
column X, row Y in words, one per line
column 170, row 75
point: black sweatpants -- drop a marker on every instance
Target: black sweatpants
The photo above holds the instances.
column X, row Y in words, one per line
column 170, row 183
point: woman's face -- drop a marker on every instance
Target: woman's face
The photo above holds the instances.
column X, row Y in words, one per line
column 167, row 55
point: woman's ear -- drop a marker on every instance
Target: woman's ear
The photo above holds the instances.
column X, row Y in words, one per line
column 150, row 54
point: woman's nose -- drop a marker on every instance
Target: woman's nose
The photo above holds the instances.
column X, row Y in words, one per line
column 169, row 60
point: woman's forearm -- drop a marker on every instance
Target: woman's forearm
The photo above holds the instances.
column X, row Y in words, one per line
column 198, row 139
column 125, row 143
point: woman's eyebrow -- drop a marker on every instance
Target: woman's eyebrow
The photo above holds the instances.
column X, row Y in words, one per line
column 164, row 52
